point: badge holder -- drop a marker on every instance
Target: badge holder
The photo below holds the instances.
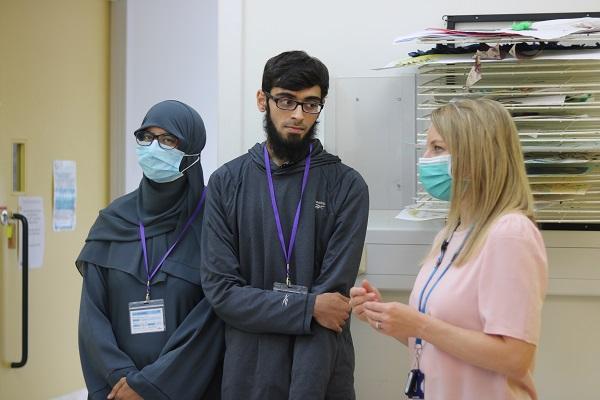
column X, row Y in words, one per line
column 147, row 316
column 296, row 289
column 415, row 383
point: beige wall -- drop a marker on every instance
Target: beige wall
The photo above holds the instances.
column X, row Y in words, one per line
column 54, row 96
column 567, row 359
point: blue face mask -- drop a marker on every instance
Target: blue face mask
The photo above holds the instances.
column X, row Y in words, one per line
column 161, row 165
column 435, row 176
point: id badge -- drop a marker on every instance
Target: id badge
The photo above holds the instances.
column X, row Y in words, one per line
column 415, row 384
column 282, row 287
column 147, row 316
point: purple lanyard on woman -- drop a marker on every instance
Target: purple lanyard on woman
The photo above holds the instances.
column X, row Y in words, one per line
column 287, row 253
column 149, row 274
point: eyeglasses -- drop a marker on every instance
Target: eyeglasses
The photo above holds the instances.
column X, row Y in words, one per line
column 165, row 141
column 287, row 104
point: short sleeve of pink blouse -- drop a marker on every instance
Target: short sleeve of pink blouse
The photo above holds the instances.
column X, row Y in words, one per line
column 512, row 280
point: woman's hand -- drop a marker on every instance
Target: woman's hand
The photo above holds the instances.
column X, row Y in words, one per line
column 394, row 319
column 366, row 304
column 122, row 391
column 361, row 294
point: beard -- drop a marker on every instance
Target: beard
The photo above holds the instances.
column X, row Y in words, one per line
column 290, row 149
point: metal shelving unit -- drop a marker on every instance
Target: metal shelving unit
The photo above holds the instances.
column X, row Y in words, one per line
column 556, row 107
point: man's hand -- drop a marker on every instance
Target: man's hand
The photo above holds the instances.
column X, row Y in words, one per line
column 122, row 391
column 332, row 310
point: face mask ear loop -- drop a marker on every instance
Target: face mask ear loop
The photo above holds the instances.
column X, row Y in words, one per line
column 190, row 166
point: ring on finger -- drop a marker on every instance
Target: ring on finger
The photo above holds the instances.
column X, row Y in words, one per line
column 378, row 325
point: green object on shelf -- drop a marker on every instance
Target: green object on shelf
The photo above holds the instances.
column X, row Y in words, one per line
column 521, row 26
column 578, row 98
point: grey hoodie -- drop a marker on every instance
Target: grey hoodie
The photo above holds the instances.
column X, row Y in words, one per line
column 274, row 348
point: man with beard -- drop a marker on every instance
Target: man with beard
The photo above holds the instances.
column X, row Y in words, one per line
column 284, row 228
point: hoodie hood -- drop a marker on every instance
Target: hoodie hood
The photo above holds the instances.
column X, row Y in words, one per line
column 319, row 157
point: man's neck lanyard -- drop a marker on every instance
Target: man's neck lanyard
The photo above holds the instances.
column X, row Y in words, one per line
column 287, row 253
column 423, row 299
column 149, row 274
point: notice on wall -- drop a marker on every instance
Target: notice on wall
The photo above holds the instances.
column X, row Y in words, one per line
column 33, row 209
column 65, row 195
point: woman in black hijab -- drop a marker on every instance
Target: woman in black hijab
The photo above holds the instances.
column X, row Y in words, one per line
column 145, row 328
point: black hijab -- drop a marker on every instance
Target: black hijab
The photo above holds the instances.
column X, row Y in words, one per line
column 163, row 208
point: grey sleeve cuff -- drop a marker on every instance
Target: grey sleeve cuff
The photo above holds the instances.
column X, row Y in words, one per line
column 308, row 314
column 99, row 394
column 117, row 374
column 144, row 388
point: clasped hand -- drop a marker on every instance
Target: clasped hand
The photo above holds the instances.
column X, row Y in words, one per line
column 332, row 310
column 393, row 319
column 122, row 391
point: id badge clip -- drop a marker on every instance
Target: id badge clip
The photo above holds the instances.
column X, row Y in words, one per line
column 288, row 288
column 147, row 316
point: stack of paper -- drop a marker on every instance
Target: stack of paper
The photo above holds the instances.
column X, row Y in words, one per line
column 574, row 29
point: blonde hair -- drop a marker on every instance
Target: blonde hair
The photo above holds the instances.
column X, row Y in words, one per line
column 488, row 171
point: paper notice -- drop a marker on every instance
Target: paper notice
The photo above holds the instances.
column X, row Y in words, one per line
column 65, row 195
column 33, row 209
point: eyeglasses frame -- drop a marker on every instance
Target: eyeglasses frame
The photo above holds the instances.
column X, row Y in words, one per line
column 298, row 103
column 156, row 137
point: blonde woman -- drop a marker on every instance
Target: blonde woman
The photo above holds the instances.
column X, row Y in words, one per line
column 473, row 322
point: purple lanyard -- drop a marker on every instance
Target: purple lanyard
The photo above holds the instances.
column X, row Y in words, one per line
column 287, row 254
column 179, row 237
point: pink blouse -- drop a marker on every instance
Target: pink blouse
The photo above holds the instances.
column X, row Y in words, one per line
column 499, row 291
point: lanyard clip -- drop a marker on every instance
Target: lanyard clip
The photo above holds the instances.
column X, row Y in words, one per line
column 147, row 291
column 418, row 351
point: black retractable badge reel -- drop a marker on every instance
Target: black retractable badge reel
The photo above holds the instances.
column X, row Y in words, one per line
column 415, row 383
column 287, row 287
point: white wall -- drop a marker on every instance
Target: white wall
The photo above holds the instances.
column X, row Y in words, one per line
column 166, row 49
column 351, row 37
